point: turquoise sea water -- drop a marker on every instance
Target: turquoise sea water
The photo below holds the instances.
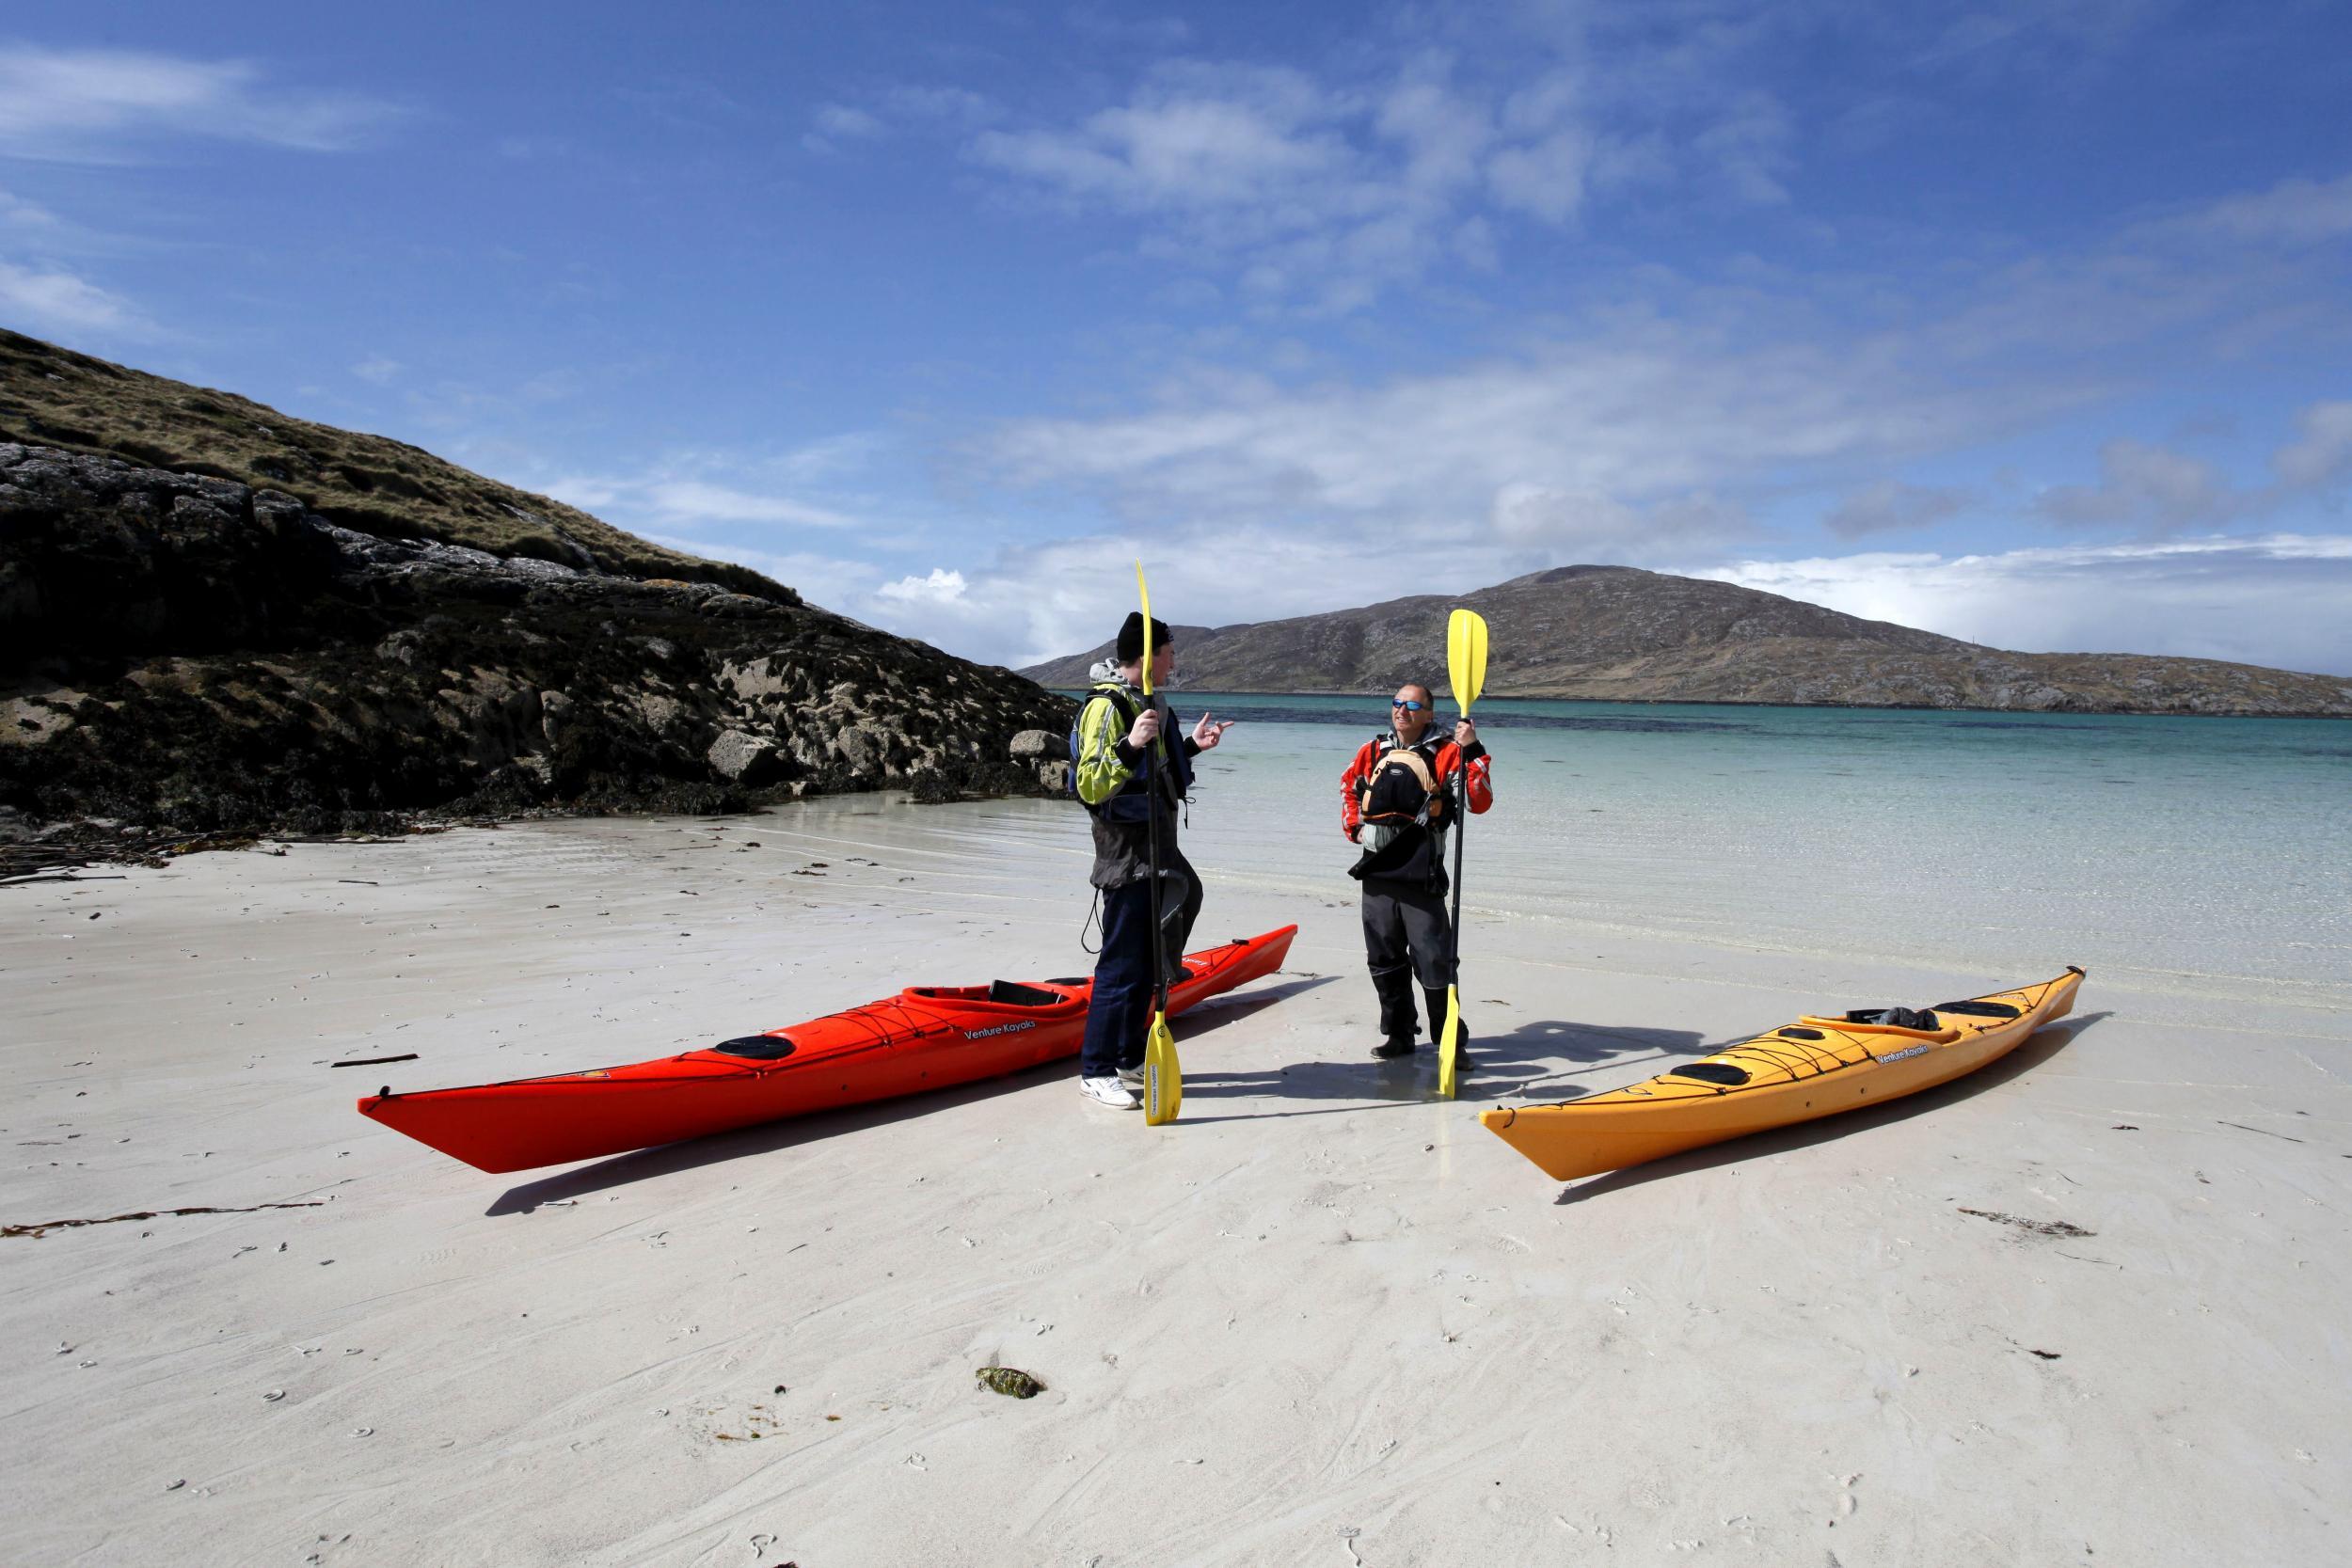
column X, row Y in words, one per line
column 2205, row 857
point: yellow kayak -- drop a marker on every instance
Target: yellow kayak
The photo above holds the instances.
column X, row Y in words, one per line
column 1815, row 1067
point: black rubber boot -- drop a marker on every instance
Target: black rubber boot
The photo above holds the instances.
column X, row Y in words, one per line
column 1399, row 1028
column 1437, row 1029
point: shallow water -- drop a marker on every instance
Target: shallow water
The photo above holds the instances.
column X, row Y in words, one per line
column 2204, row 857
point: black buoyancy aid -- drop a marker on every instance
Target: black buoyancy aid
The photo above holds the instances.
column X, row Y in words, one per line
column 1401, row 792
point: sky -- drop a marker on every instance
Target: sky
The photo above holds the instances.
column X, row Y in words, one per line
column 2025, row 323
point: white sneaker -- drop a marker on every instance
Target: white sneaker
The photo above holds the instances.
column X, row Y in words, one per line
column 1108, row 1091
column 1133, row 1078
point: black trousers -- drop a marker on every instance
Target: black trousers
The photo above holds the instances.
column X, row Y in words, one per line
column 1407, row 938
column 1120, row 1015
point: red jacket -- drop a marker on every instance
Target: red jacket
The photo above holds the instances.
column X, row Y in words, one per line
column 1448, row 764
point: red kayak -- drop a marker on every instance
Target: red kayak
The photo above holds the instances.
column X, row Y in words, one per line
column 925, row 1038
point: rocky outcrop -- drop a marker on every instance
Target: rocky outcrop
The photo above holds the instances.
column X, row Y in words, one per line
column 71, row 402
column 1617, row 634
column 189, row 650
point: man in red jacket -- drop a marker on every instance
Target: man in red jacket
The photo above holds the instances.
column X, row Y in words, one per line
column 1397, row 800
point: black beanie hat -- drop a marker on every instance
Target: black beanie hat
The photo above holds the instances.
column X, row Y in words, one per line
column 1130, row 637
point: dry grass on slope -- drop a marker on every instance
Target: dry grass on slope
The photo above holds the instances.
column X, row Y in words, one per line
column 54, row 397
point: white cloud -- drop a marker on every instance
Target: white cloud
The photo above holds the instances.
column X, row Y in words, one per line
column 1890, row 505
column 24, row 216
column 589, row 492
column 1588, row 523
column 76, row 104
column 2276, row 600
column 2148, row 486
column 840, row 121
column 1195, row 137
column 2322, row 454
column 1311, row 192
column 836, row 123
column 1109, row 26
column 1545, row 178
column 896, row 111
column 1749, row 149
column 951, row 107
column 2003, row 37
column 1442, row 133
column 377, row 369
column 1329, row 188
column 669, row 499
column 1035, row 602
column 681, row 499
column 1649, row 412
column 837, row 583
column 2294, row 212
column 831, row 456
column 2161, row 491
column 941, row 587
column 60, row 302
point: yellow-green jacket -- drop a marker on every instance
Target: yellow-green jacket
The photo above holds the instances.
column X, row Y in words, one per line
column 1109, row 776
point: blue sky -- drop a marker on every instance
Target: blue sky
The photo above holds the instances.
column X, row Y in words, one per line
column 2031, row 324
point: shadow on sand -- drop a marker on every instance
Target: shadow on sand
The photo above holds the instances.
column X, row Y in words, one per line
column 1525, row 1061
column 2038, row 1048
column 620, row 1170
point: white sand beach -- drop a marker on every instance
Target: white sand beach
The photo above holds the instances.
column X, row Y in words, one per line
column 1321, row 1319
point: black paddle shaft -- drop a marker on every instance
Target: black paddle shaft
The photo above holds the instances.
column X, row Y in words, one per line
column 1152, row 817
column 1461, row 829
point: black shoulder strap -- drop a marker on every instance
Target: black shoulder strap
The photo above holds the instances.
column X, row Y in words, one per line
column 1117, row 694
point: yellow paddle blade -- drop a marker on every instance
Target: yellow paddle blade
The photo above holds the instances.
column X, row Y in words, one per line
column 1145, row 594
column 1163, row 1076
column 1465, row 654
column 1450, row 1038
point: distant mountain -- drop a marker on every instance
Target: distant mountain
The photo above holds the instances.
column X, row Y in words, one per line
column 1619, row 634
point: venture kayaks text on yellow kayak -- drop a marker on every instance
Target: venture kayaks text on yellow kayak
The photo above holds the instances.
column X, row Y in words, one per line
column 1815, row 1067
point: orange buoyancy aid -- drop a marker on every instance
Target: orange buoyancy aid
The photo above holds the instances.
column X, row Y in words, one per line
column 1401, row 787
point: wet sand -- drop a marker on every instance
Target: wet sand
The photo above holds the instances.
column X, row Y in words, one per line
column 1321, row 1319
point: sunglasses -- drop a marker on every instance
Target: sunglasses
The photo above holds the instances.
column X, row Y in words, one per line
column 1410, row 706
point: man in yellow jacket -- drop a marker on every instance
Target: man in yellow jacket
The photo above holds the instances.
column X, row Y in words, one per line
column 1127, row 745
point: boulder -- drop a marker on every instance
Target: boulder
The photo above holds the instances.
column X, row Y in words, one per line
column 744, row 758
column 865, row 747
column 1033, row 746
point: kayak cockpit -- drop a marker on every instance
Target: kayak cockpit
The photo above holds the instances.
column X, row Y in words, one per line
column 997, row 994
column 1997, row 1011
column 759, row 1047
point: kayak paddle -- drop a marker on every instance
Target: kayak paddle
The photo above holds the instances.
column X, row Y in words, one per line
column 1163, row 1077
column 1466, row 667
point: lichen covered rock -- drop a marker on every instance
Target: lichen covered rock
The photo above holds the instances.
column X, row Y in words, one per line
column 186, row 649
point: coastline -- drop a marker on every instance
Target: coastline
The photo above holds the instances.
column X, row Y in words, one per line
column 1176, row 688
column 1319, row 1314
